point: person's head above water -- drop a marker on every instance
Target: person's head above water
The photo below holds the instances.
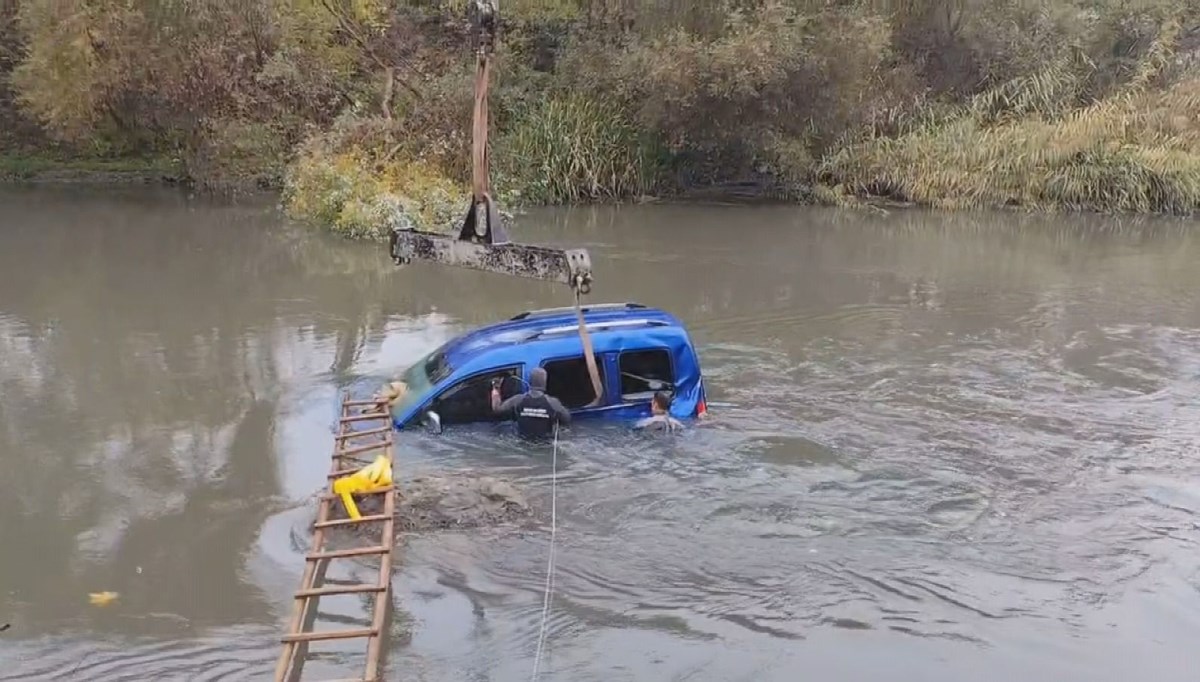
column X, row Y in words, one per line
column 661, row 402
column 537, row 379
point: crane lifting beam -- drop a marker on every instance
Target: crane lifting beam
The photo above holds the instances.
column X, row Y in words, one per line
column 567, row 266
column 483, row 243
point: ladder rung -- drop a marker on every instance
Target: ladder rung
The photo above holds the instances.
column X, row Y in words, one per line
column 330, row 634
column 377, row 491
column 340, row 581
column 346, row 472
column 339, row 589
column 361, row 403
column 356, row 434
column 345, row 553
column 366, row 417
column 363, row 448
column 350, row 522
column 348, row 621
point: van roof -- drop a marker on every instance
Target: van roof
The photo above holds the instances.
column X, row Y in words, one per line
column 557, row 324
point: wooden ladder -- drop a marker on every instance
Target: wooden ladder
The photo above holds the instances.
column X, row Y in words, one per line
column 371, row 441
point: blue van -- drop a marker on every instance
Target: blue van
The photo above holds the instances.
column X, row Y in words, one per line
column 639, row 350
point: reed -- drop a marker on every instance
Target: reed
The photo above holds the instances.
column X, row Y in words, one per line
column 573, row 149
column 1137, row 150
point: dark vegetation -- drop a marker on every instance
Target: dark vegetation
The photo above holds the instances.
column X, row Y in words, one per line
column 359, row 109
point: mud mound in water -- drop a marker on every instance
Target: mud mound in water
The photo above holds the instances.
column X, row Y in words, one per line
column 433, row 503
column 458, row 500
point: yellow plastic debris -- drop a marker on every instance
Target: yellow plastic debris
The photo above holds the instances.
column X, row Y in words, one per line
column 102, row 598
column 374, row 477
column 392, row 392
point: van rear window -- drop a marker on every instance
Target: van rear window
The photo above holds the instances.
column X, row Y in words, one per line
column 569, row 381
column 645, row 371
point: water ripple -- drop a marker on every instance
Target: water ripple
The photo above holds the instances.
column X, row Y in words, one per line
column 242, row 655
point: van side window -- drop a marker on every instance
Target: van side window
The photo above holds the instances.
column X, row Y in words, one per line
column 569, row 381
column 645, row 371
column 470, row 400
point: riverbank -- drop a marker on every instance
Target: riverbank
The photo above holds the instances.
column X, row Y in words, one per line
column 41, row 169
column 15, row 169
column 351, row 198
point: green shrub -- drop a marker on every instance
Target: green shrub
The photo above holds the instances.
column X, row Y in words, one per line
column 364, row 192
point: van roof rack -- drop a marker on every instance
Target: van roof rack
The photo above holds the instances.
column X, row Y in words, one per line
column 595, row 327
column 587, row 308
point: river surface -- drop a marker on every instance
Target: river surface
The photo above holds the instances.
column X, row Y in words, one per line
column 948, row 447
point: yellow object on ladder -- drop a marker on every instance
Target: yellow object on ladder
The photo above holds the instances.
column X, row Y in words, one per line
column 369, row 479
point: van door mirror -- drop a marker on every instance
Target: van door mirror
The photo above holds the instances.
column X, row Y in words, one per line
column 433, row 422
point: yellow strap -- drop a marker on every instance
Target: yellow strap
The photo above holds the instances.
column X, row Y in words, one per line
column 589, row 355
column 479, row 134
column 480, row 186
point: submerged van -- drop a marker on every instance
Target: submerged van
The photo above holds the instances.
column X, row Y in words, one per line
column 639, row 350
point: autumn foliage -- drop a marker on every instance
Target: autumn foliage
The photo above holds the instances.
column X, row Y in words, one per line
column 1036, row 103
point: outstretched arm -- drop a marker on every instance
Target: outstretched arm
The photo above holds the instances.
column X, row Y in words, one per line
column 563, row 414
column 506, row 407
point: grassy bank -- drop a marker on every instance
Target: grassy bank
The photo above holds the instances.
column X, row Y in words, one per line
column 15, row 167
column 1137, row 150
column 359, row 110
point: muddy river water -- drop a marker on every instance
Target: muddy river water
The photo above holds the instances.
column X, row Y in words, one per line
column 949, row 447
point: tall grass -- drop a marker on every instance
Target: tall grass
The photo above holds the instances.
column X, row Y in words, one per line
column 574, row 148
column 1134, row 151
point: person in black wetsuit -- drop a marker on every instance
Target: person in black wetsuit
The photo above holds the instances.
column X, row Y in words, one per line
column 536, row 412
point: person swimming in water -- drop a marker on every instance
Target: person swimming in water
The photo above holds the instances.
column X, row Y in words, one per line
column 660, row 418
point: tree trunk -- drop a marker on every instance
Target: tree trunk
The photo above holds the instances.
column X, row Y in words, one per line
column 389, row 85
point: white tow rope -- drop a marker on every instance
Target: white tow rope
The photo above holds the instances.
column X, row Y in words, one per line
column 537, row 659
column 590, row 355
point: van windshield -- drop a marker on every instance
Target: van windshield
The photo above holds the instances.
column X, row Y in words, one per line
column 423, row 374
